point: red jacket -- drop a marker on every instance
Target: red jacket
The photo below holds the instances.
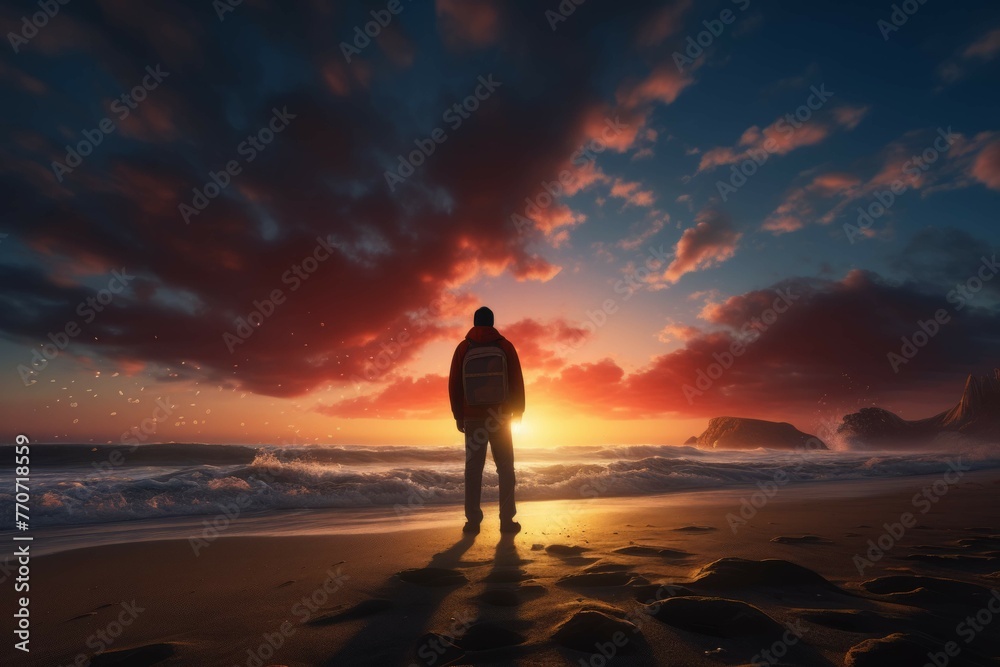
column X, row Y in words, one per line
column 515, row 381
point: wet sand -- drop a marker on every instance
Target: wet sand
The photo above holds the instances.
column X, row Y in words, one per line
column 662, row 580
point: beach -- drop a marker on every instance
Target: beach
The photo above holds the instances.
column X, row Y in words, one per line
column 687, row 578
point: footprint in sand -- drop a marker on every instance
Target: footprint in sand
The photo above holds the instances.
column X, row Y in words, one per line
column 694, row 529
column 564, row 550
column 727, row 573
column 660, row 552
column 928, row 590
column 601, row 579
column 590, row 627
column 432, row 576
column 718, row 617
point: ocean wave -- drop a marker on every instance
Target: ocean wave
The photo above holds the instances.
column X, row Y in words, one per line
column 276, row 478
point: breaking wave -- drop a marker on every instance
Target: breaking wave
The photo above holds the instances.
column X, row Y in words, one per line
column 78, row 484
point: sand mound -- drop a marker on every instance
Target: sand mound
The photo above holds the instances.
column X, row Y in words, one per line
column 607, row 567
column 742, row 573
column 141, row 656
column 564, row 550
column 432, row 576
column 718, row 617
column 649, row 593
column 895, row 649
column 694, row 529
column 987, row 542
column 931, row 589
column 957, row 562
column 362, row 609
column 588, row 628
column 661, row 552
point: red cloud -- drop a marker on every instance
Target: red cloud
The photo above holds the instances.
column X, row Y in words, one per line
column 663, row 84
column 711, row 241
column 986, row 47
column 825, row 354
column 403, row 398
column 781, row 137
column 469, row 22
column 428, row 396
column 986, row 167
column 631, row 193
column 797, row 208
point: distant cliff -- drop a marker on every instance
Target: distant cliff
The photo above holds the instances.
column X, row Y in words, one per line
column 976, row 416
column 744, row 433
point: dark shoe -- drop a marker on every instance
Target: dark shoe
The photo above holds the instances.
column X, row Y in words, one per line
column 510, row 527
column 470, row 527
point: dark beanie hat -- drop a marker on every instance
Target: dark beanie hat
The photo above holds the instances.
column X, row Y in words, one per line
column 483, row 317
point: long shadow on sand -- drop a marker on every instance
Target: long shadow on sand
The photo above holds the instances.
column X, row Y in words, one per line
column 499, row 633
column 412, row 597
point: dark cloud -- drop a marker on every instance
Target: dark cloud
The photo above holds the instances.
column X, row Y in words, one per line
column 394, row 253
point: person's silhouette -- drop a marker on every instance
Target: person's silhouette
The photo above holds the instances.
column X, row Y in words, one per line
column 486, row 389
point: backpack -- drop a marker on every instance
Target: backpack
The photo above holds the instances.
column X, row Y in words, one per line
column 484, row 374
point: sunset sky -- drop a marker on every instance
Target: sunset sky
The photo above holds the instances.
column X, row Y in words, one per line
column 618, row 292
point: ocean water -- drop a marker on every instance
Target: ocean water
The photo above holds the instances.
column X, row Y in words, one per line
column 75, row 485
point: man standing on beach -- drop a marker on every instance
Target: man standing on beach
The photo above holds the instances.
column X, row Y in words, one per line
column 487, row 394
